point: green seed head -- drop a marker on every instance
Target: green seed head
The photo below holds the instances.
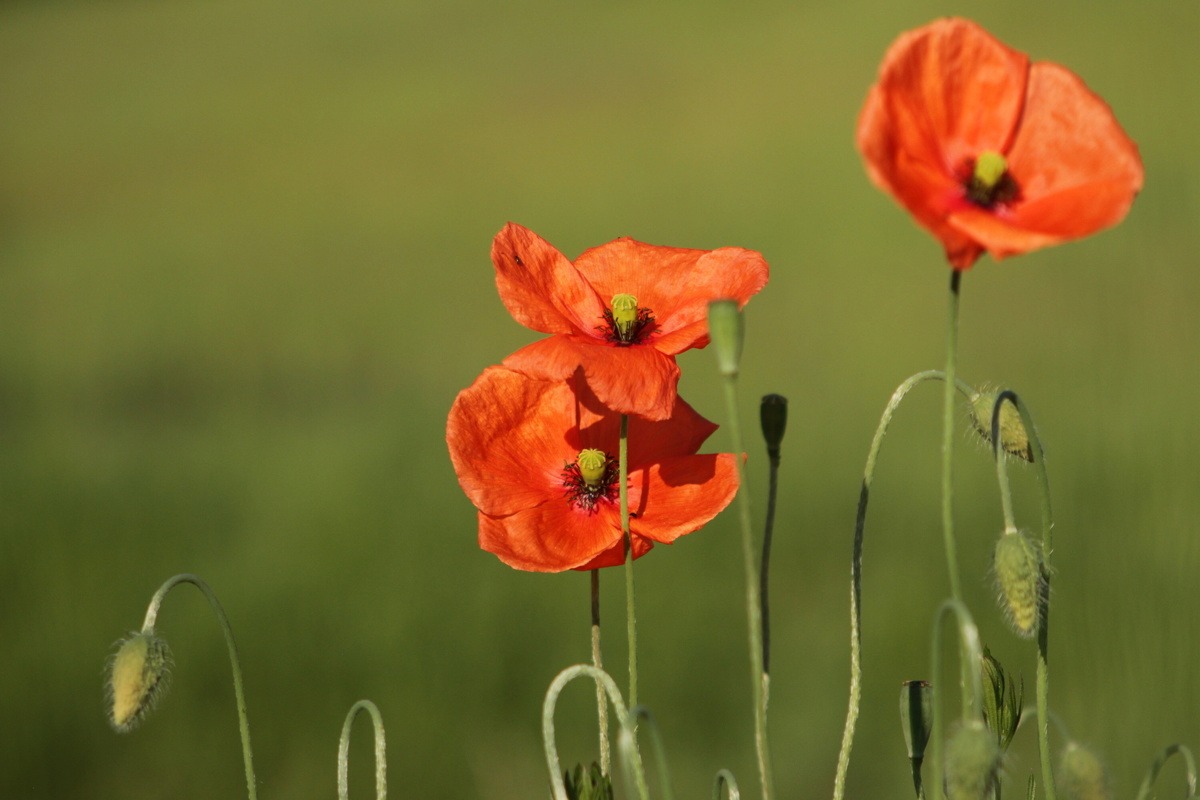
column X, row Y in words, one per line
column 592, row 466
column 972, row 760
column 138, row 676
column 1017, row 564
column 624, row 312
column 989, row 169
column 1081, row 775
column 1013, row 437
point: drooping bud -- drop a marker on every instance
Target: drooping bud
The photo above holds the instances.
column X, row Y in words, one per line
column 592, row 466
column 726, row 331
column 1017, row 563
column 139, row 674
column 1081, row 775
column 972, row 759
column 916, row 716
column 591, row 784
column 772, row 413
column 624, row 313
column 1013, row 436
column 1002, row 700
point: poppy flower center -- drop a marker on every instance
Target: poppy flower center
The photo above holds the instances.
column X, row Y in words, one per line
column 990, row 183
column 625, row 322
column 590, row 478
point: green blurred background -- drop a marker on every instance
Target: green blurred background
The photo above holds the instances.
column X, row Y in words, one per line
column 244, row 270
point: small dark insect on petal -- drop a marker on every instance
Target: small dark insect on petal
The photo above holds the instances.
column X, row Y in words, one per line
column 517, row 259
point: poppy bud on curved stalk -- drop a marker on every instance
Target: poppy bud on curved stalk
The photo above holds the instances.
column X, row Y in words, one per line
column 726, row 330
column 1017, row 562
column 916, row 716
column 1081, row 775
column 772, row 413
column 972, row 760
column 1013, row 436
column 138, row 677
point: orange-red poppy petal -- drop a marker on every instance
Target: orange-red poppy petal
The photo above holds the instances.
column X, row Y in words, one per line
column 675, row 284
column 637, row 380
column 615, row 555
column 540, row 287
column 549, row 538
column 680, row 495
column 505, row 455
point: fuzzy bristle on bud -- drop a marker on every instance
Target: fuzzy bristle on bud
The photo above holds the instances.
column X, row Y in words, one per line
column 138, row 676
column 1013, row 436
column 1081, row 775
column 1017, row 564
column 972, row 760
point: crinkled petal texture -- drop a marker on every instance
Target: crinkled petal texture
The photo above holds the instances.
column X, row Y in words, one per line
column 545, row 291
column 948, row 92
column 510, row 437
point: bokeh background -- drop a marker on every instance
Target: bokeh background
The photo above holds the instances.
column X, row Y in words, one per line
column 244, row 270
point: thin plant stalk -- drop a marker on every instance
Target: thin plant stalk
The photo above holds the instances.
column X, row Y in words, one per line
column 971, row 654
column 860, row 522
column 753, row 609
column 380, row 751
column 1160, row 760
column 234, row 663
column 630, row 607
column 601, row 702
column 641, row 714
column 1043, row 636
column 635, row 772
column 773, row 458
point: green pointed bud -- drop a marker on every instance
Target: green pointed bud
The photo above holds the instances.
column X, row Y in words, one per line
column 138, row 675
column 592, row 466
column 1013, row 436
column 989, row 169
column 591, row 784
column 624, row 312
column 1002, row 700
column 916, row 716
column 726, row 331
column 972, row 760
column 772, row 413
column 1017, row 564
column 1081, row 775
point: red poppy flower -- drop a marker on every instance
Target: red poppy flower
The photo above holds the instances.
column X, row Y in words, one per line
column 621, row 311
column 990, row 152
column 539, row 461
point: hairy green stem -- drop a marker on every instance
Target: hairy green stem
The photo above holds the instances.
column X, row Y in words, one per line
column 860, row 522
column 234, row 663
column 380, row 751
column 597, row 662
column 725, row 780
column 1160, row 760
column 630, row 608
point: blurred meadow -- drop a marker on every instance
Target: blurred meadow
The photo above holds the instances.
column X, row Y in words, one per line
column 244, row 270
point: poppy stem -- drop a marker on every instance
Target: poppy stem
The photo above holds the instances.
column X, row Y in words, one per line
column 630, row 609
column 948, row 463
column 601, row 700
column 235, row 664
column 343, row 761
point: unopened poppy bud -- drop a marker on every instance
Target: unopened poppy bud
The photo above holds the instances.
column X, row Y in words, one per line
column 624, row 312
column 592, row 466
column 1013, row 436
column 989, row 169
column 138, row 677
column 1081, row 775
column 1017, row 563
column 590, row 784
column 916, row 716
column 972, row 759
column 772, row 413
column 725, row 329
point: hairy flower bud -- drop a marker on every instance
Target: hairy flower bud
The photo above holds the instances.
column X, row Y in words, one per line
column 972, row 759
column 1081, row 775
column 138, row 677
column 1013, row 436
column 1017, row 563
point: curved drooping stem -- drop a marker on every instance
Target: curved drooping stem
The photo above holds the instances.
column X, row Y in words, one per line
column 380, row 751
column 971, row 656
column 234, row 663
column 641, row 715
column 631, row 760
column 1160, row 760
column 860, row 522
column 725, row 780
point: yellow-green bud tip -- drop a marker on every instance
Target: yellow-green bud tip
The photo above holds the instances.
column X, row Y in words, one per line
column 592, row 466
column 989, row 169
column 138, row 677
